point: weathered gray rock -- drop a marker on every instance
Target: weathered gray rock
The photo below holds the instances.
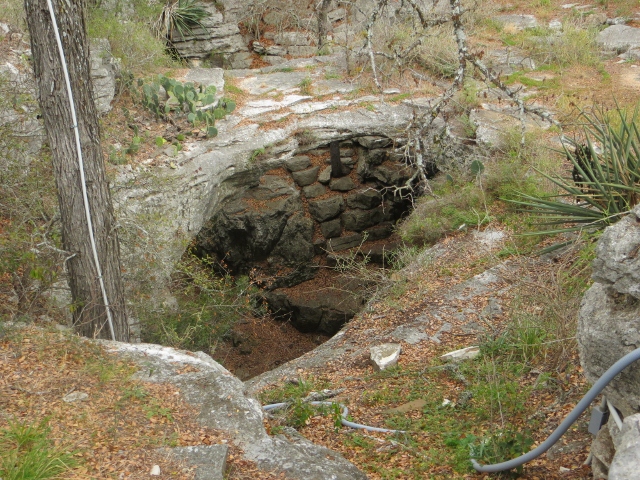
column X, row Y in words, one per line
column 491, row 124
column 331, row 229
column 326, row 311
column 617, row 261
column 276, row 50
column 258, row 48
column 619, row 38
column 292, row 39
column 306, row 177
column 210, row 460
column 247, row 229
column 603, row 451
column 220, row 41
column 299, row 162
column 325, row 176
column 302, row 51
column 385, row 355
column 224, row 406
column 626, row 461
column 517, row 22
column 343, row 184
column 207, row 77
column 468, row 353
column 608, row 329
column 326, row 209
column 364, row 199
column 313, row 191
column 345, row 242
column 392, row 173
column 295, row 245
column 104, row 70
column 274, row 59
column 359, row 220
column 372, row 142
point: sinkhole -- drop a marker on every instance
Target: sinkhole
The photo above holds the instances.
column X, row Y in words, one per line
column 300, row 228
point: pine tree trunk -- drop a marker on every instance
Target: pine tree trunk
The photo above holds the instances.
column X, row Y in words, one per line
column 90, row 315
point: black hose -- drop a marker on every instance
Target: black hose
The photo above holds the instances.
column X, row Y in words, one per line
column 602, row 382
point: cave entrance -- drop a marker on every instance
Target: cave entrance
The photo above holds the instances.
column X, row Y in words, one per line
column 300, row 228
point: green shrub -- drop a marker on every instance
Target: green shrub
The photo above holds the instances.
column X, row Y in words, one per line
column 132, row 41
column 208, row 307
column 179, row 17
column 27, row 453
column 605, row 184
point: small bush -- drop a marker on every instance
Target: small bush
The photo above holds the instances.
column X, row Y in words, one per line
column 605, row 181
column 208, row 306
column 132, row 41
column 26, row 452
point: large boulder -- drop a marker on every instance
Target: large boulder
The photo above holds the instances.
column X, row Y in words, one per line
column 609, row 321
column 251, row 227
column 608, row 329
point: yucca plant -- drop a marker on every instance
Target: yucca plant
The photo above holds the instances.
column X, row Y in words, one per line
column 179, row 17
column 606, row 177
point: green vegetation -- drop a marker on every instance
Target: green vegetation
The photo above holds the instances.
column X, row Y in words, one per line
column 298, row 411
column 472, row 194
column 573, row 47
column 180, row 17
column 606, row 178
column 306, row 86
column 207, row 307
column 28, row 453
column 29, row 233
column 187, row 100
column 133, row 41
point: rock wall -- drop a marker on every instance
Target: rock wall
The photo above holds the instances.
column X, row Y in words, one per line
column 609, row 325
column 219, row 43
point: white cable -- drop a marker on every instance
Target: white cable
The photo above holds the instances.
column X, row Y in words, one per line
column 81, row 166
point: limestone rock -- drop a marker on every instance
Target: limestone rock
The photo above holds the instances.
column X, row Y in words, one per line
column 313, row 191
column 364, row 199
column 104, row 69
column 619, row 38
column 491, row 124
column 210, row 460
column 344, row 243
column 359, row 220
column 301, row 51
column 299, row 162
column 306, row 177
column 627, row 457
column 372, row 142
column 75, row 397
column 276, row 50
column 331, row 229
column 343, row 184
column 385, row 355
column 617, row 261
column 247, row 229
column 322, row 210
column 317, row 310
column 325, row 176
column 292, row 39
column 608, row 329
column 516, row 23
column 222, row 403
column 468, row 353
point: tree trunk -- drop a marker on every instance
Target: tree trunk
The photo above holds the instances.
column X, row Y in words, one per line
column 89, row 313
column 323, row 22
